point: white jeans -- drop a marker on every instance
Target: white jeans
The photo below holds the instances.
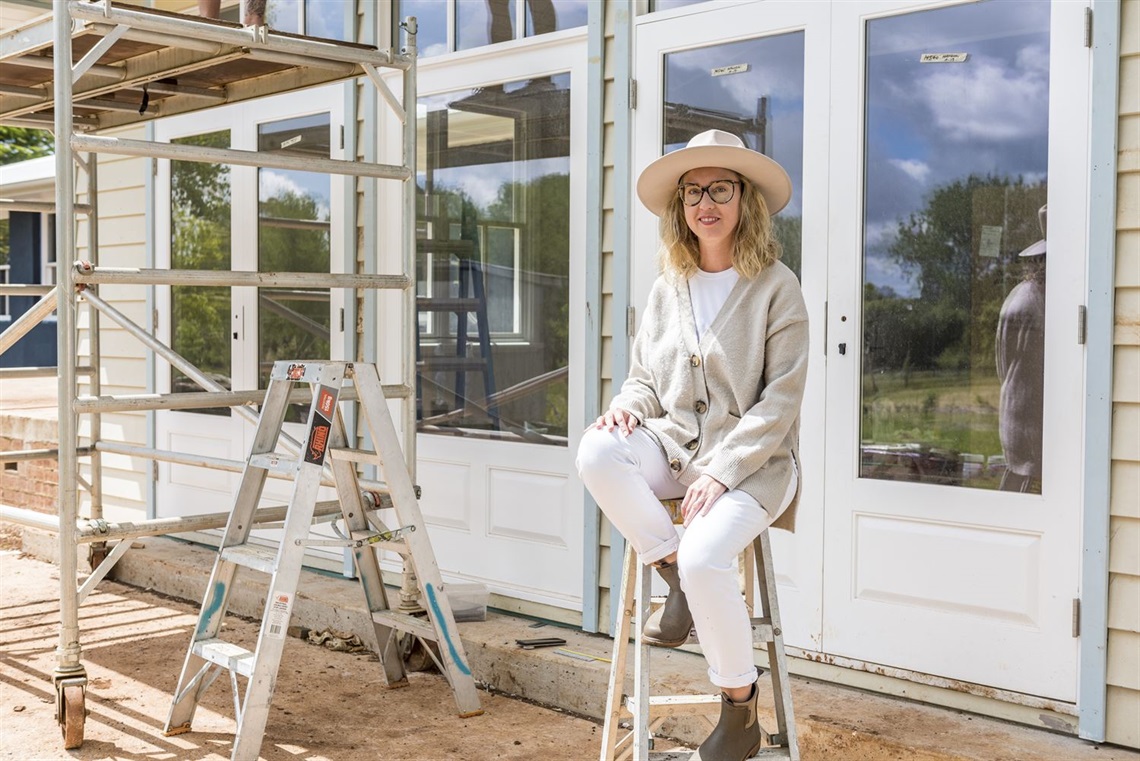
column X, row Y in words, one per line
column 628, row 476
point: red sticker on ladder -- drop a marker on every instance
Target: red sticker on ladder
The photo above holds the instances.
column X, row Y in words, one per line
column 326, row 401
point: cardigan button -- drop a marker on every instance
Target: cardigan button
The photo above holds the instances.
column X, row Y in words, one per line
column 675, row 465
column 701, row 407
column 695, row 360
column 692, row 445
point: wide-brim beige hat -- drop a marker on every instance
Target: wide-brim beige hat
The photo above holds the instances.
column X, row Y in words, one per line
column 1038, row 248
column 716, row 148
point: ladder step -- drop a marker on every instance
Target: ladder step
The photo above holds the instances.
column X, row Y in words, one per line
column 671, row 705
column 272, row 461
column 226, row 654
column 451, row 364
column 429, row 304
column 416, row 625
column 355, row 455
column 685, row 755
column 253, row 556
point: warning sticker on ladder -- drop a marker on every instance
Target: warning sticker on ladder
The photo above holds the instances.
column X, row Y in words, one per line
column 277, row 621
column 321, row 425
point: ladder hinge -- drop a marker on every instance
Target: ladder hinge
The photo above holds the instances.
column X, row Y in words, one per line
column 1082, row 324
column 1076, row 617
column 632, row 94
column 630, row 321
column 1088, row 27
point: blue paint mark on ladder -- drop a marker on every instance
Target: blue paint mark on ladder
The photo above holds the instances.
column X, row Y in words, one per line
column 437, row 615
column 213, row 605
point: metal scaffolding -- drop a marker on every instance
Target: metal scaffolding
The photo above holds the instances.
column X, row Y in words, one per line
column 89, row 66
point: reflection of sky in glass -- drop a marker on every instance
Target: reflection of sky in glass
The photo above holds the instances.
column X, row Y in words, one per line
column 775, row 69
column 284, row 15
column 931, row 124
column 473, row 21
column 326, row 18
column 665, row 5
column 280, row 183
column 431, row 20
column 567, row 15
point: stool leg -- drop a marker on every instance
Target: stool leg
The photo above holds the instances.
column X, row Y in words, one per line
column 641, row 717
column 625, row 602
column 777, row 659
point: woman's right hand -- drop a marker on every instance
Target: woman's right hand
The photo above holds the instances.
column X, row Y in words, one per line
column 624, row 420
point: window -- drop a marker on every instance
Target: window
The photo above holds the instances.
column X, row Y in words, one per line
column 49, row 274
column 5, row 266
column 493, row 230
column 449, row 25
column 317, row 18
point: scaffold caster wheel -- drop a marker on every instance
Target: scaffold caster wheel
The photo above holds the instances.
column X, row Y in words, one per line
column 74, row 715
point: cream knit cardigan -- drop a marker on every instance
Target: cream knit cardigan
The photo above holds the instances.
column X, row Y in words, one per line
column 728, row 405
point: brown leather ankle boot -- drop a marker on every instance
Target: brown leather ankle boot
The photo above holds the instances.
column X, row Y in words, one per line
column 669, row 625
column 737, row 735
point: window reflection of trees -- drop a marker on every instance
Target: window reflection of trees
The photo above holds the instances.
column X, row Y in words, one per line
column 513, row 236
column 200, row 205
column 930, row 387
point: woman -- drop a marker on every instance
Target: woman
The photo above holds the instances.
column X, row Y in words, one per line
column 710, row 409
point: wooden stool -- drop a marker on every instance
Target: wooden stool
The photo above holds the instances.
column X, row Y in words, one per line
column 648, row 712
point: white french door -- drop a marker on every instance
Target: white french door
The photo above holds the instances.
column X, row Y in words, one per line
column 952, row 539
column 217, row 217
column 939, row 531
column 500, row 276
column 758, row 70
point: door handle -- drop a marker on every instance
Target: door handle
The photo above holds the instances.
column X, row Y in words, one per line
column 842, row 348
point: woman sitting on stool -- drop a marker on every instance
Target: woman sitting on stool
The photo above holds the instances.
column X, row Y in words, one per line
column 710, row 410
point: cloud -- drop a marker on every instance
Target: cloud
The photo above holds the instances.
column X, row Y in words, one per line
column 916, row 170
column 985, row 100
column 274, row 184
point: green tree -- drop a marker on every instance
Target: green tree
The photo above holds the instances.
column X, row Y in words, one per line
column 21, row 143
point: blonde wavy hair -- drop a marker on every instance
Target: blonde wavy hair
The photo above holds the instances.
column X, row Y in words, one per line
column 754, row 246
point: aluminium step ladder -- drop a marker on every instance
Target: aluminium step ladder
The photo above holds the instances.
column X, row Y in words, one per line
column 209, row 655
column 647, row 711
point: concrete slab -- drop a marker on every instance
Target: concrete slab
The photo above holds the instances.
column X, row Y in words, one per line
column 834, row 722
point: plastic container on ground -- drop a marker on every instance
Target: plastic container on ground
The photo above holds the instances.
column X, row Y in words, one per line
column 468, row 601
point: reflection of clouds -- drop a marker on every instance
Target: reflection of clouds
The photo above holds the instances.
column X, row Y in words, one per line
column 881, row 270
column 985, row 99
column 481, row 183
column 273, row 184
column 916, row 170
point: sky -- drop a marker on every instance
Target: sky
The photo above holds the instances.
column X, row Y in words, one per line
column 929, row 124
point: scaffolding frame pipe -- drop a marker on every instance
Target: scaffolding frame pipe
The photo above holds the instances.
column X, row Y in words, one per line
column 23, row 324
column 43, row 207
column 25, row 289
column 187, row 27
column 91, row 275
column 45, row 371
column 28, row 455
column 197, row 400
column 234, row 157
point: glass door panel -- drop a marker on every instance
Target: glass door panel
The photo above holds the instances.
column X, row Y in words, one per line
column 493, row 261
column 293, row 236
column 957, row 152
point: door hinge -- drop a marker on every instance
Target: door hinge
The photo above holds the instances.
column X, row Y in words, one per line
column 1088, row 27
column 342, row 319
column 632, row 94
column 1076, row 617
column 154, row 470
column 154, row 167
column 1082, row 324
column 342, row 137
column 154, row 321
column 631, row 321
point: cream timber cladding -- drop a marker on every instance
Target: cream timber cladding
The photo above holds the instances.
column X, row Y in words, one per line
column 1123, row 688
column 122, row 243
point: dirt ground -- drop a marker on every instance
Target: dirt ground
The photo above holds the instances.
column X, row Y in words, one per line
column 328, row 706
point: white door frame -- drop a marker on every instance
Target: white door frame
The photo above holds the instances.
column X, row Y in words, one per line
column 456, row 545
column 798, row 559
column 1046, row 525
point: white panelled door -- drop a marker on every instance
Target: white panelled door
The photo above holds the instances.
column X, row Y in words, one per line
column 758, row 70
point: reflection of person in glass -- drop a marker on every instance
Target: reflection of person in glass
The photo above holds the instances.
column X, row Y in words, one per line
column 1021, row 368
column 541, row 15
column 710, row 409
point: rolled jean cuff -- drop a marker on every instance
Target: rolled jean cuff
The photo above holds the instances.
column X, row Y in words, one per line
column 661, row 551
column 732, row 682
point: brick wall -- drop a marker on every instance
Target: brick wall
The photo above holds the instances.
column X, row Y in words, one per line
column 32, row 484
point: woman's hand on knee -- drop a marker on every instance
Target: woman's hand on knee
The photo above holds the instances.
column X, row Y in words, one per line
column 700, row 496
column 624, row 420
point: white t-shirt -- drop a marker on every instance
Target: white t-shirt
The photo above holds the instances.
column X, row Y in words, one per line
column 708, row 291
